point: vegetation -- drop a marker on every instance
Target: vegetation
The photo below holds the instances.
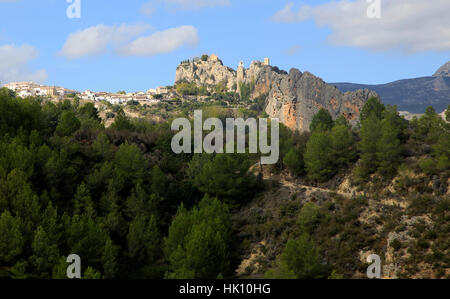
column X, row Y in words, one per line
column 130, row 208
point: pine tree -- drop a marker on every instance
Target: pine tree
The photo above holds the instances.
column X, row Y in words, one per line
column 83, row 203
column 144, row 239
column 322, row 121
column 294, row 161
column 50, row 224
column 299, row 260
column 388, row 147
column 109, row 259
column 198, row 241
column 370, row 135
column 11, row 238
column 344, row 150
column 318, row 159
column 372, row 106
column 45, row 254
column 67, row 124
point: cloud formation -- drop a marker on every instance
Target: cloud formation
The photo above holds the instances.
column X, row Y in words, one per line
column 14, row 64
column 408, row 25
column 97, row 39
column 161, row 42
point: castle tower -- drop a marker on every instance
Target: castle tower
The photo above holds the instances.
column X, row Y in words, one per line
column 240, row 76
column 266, row 61
column 214, row 57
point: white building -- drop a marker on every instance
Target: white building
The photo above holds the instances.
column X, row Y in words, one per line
column 162, row 90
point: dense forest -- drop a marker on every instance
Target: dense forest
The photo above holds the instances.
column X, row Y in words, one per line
column 130, row 208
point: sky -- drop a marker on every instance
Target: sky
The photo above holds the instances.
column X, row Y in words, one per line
column 136, row 45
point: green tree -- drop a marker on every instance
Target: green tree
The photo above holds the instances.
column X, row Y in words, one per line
column 343, row 146
column 102, row 147
column 83, row 203
column 185, row 88
column 159, row 181
column 389, row 149
column 45, row 254
column 11, row 238
column 89, row 111
column 294, row 161
column 441, row 151
column 370, row 135
column 318, row 158
column 309, row 218
column 122, row 122
column 224, row 176
column 68, row 124
column 91, row 273
column 342, row 121
column 198, row 242
column 372, row 106
column 144, row 239
column 50, row 224
column 109, row 259
column 24, row 203
column 86, row 238
column 429, row 127
column 129, row 166
column 322, row 120
column 299, row 260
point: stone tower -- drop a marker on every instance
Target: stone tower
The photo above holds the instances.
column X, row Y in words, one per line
column 214, row 57
column 240, row 76
column 266, row 61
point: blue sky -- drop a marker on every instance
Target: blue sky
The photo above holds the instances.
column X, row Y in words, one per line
column 136, row 45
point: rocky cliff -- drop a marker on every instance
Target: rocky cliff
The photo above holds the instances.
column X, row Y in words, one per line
column 293, row 97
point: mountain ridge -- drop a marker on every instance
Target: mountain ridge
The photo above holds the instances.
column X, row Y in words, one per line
column 413, row 95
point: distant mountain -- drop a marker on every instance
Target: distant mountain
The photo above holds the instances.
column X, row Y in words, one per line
column 412, row 95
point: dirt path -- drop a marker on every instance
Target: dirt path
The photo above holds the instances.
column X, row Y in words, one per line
column 295, row 186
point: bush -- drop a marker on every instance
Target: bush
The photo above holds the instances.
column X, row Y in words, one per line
column 428, row 166
column 396, row 244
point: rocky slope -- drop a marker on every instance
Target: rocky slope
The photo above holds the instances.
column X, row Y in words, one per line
column 443, row 71
column 412, row 95
column 293, row 97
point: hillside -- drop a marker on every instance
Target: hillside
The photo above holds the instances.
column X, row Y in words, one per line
column 121, row 199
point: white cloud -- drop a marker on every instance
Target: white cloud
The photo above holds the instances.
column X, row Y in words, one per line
column 97, row 39
column 14, row 66
column 408, row 25
column 161, row 42
column 197, row 4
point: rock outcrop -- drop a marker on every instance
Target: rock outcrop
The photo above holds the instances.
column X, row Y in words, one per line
column 208, row 72
column 293, row 97
column 443, row 71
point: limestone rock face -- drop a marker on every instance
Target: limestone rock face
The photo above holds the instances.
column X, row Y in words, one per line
column 293, row 97
column 210, row 72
